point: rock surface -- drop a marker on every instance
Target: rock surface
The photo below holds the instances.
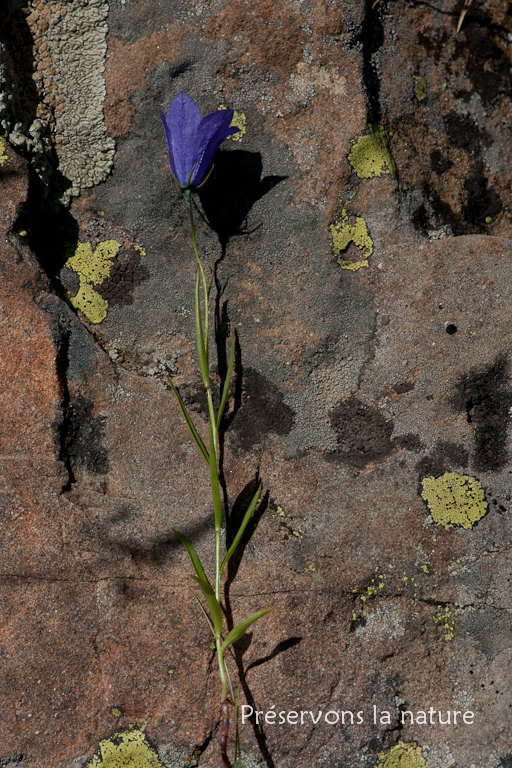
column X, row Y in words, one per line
column 359, row 223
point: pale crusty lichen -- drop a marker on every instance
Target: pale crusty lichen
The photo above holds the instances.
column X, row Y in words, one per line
column 343, row 233
column 454, row 499
column 370, row 155
column 402, row 755
column 92, row 269
column 66, row 138
column 129, row 749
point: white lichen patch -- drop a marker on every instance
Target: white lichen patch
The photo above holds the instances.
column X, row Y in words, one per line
column 309, row 79
column 68, row 53
column 381, row 622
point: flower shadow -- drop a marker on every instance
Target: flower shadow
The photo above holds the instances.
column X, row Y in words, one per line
column 233, row 188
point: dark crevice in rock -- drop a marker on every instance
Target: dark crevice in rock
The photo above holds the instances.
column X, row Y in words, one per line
column 84, row 434
column 370, row 38
column 63, row 427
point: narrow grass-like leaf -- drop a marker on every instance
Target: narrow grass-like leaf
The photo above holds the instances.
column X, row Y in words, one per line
column 203, row 611
column 241, row 530
column 227, row 382
column 240, row 629
column 213, row 603
column 194, row 557
column 190, row 425
column 214, row 473
column 201, row 350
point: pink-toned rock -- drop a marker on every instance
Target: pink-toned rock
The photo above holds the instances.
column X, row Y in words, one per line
column 354, row 385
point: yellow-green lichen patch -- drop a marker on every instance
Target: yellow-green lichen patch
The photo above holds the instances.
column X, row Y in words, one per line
column 374, row 589
column 446, row 622
column 343, row 233
column 92, row 269
column 454, row 499
column 3, row 154
column 402, row 755
column 239, row 121
column 129, row 749
column 420, row 89
column 370, row 155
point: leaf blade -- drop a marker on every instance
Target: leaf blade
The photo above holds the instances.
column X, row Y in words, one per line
column 243, row 526
column 241, row 628
column 227, row 382
column 213, row 604
column 194, row 557
column 193, row 431
column 201, row 348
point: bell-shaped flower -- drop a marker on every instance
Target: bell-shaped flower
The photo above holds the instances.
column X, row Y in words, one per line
column 193, row 142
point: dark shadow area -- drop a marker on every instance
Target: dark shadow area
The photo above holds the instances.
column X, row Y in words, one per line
column 370, row 40
column 445, row 457
column 485, row 395
column 233, row 521
column 233, row 188
column 239, row 650
column 284, row 645
column 84, row 437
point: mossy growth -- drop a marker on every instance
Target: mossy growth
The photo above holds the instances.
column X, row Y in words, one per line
column 343, row 233
column 92, row 269
column 128, row 749
column 454, row 499
column 370, row 155
column 402, row 755
column 420, row 89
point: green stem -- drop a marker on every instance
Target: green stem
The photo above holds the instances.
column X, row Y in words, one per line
column 214, row 450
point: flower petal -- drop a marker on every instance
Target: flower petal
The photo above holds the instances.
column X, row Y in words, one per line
column 168, row 138
column 181, row 127
column 212, row 131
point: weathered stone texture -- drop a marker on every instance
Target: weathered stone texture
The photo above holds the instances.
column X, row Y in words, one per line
column 357, row 378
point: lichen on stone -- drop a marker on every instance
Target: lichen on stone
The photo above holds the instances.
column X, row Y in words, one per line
column 128, row 749
column 343, row 233
column 420, row 89
column 445, row 620
column 370, row 155
column 62, row 46
column 92, row 269
column 3, row 154
column 454, row 499
column 239, row 121
column 402, row 755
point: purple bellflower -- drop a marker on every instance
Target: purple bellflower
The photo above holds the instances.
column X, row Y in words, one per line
column 193, row 142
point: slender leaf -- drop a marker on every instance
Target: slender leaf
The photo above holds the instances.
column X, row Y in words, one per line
column 214, row 473
column 213, row 603
column 201, row 349
column 240, row 629
column 190, row 425
column 227, row 382
column 241, row 530
column 194, row 557
column 203, row 611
